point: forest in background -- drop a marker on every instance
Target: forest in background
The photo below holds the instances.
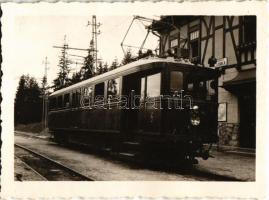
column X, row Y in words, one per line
column 29, row 95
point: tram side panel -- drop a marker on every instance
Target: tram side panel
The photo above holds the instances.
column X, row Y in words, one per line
column 85, row 124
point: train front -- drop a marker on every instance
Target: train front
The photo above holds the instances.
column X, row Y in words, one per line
column 192, row 113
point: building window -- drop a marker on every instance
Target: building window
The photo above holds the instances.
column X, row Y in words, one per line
column 194, row 35
column 194, row 49
column 175, row 51
column 194, row 44
column 249, row 29
column 174, row 43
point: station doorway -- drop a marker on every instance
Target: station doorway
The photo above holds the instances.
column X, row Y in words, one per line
column 247, row 130
column 244, row 87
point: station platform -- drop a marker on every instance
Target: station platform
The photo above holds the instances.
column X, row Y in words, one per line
column 234, row 150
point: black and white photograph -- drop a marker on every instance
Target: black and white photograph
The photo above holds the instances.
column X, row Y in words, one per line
column 144, row 96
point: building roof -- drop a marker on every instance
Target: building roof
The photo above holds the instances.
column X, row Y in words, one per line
column 244, row 82
column 168, row 23
column 245, row 76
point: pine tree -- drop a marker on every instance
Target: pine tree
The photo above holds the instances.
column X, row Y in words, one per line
column 88, row 67
column 105, row 68
column 63, row 75
column 76, row 77
column 127, row 58
column 19, row 99
column 114, row 64
column 100, row 68
column 28, row 101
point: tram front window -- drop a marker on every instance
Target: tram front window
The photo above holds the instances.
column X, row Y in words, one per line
column 197, row 89
column 176, row 81
column 200, row 87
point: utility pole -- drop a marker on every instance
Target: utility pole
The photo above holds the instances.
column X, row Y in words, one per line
column 93, row 45
column 45, row 99
column 65, row 47
column 45, row 62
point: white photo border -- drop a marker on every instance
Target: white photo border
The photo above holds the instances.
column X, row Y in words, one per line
column 130, row 189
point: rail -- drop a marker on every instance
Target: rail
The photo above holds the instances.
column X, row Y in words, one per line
column 54, row 162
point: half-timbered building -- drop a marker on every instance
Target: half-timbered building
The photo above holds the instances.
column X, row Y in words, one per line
column 229, row 44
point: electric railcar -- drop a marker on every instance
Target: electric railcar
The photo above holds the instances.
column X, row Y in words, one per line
column 163, row 105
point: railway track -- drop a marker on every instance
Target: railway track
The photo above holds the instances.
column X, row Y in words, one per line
column 46, row 167
column 50, row 173
column 33, row 172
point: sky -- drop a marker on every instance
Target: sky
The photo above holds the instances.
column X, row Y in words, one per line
column 32, row 31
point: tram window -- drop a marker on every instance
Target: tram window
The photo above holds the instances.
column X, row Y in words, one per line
column 176, row 81
column 60, row 101
column 113, row 87
column 99, row 91
column 87, row 93
column 143, row 88
column 197, row 88
column 78, row 93
column 154, row 85
column 201, row 86
column 190, row 87
column 52, row 103
column 66, row 100
column 73, row 99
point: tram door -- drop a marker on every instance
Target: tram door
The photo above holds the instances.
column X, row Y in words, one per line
column 131, row 87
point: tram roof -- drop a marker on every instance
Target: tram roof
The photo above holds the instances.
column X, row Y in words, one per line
column 131, row 68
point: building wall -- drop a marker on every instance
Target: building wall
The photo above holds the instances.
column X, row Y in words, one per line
column 220, row 37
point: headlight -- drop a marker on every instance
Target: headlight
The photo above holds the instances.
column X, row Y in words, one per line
column 194, row 117
column 195, row 120
column 195, row 108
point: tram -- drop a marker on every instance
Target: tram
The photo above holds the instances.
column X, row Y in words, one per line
column 163, row 106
